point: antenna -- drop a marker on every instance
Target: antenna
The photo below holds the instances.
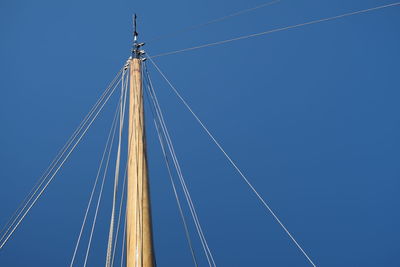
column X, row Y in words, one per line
column 135, row 33
column 136, row 52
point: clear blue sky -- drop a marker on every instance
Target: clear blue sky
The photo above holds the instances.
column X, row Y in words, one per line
column 311, row 115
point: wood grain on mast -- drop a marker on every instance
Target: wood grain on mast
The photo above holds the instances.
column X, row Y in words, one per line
column 138, row 213
column 139, row 246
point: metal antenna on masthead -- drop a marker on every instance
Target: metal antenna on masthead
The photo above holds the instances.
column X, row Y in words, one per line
column 136, row 52
column 135, row 34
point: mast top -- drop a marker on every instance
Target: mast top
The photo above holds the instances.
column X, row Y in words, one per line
column 136, row 51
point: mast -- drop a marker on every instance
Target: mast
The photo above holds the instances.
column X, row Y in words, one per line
column 139, row 244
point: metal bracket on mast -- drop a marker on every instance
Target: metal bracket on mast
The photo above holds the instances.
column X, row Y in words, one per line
column 136, row 51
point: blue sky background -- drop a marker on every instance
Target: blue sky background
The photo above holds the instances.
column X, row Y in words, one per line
column 311, row 115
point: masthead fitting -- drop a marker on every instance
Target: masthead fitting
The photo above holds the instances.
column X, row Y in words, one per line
column 136, row 52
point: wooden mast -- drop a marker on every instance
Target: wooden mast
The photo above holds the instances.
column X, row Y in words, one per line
column 139, row 243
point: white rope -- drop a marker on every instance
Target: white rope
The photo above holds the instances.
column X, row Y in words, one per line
column 100, row 193
column 176, row 196
column 123, row 190
column 117, row 168
column 121, row 203
column 174, row 33
column 190, row 204
column 192, row 209
column 277, row 30
column 94, row 188
column 234, row 165
column 161, row 140
column 186, row 192
column 119, row 217
column 55, row 161
column 56, row 171
column 123, row 243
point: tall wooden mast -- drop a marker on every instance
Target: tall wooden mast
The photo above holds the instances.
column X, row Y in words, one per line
column 139, row 241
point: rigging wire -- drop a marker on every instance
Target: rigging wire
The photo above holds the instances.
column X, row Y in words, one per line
column 190, row 204
column 94, row 187
column 175, row 193
column 4, row 241
column 123, row 191
column 276, row 30
column 233, row 164
column 121, row 203
column 119, row 216
column 167, row 163
column 101, row 190
column 55, row 161
column 197, row 26
column 180, row 176
column 123, row 242
column 117, row 168
column 189, row 200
